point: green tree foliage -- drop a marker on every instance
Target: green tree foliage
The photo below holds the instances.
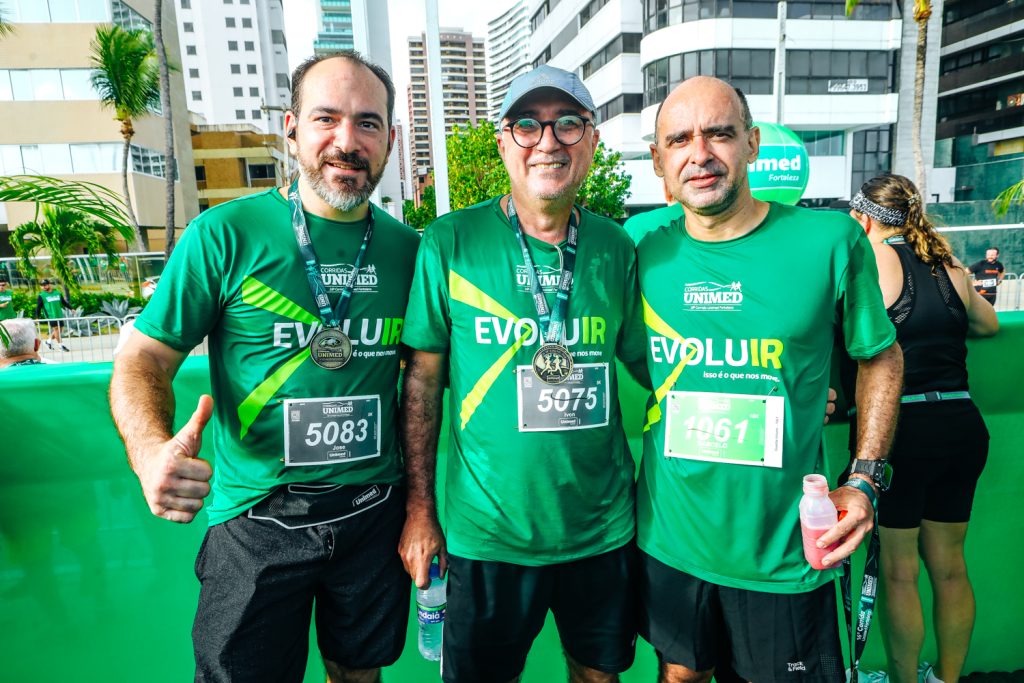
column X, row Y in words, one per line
column 420, row 217
column 475, row 170
column 126, row 74
column 61, row 231
column 1011, row 196
column 476, row 173
column 91, row 199
column 607, row 185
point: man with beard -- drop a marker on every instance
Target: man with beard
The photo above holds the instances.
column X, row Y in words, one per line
column 988, row 274
column 302, row 292
column 739, row 359
column 539, row 511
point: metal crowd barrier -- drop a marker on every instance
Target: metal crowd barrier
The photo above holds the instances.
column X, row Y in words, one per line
column 1009, row 297
column 88, row 339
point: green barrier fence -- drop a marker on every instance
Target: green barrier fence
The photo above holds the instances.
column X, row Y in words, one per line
column 95, row 588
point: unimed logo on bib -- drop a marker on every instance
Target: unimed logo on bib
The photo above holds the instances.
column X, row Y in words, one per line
column 337, row 275
column 712, row 296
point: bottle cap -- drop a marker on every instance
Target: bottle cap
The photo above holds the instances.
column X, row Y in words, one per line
column 816, row 484
column 435, row 571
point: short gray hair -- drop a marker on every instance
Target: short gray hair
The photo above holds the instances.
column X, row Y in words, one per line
column 23, row 337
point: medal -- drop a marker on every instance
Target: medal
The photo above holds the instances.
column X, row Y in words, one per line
column 552, row 364
column 330, row 348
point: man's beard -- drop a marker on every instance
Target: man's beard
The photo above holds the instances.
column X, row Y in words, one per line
column 344, row 195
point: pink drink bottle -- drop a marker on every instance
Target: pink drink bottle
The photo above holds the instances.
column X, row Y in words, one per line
column 817, row 515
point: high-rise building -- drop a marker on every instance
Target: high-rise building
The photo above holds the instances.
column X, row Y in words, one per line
column 337, row 32
column 235, row 61
column 54, row 123
column 399, row 149
column 508, row 53
column 463, row 78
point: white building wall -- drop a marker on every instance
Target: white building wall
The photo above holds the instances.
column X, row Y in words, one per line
column 219, row 102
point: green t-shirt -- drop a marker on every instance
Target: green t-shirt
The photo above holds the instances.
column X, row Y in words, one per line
column 7, row 305
column 52, row 304
column 639, row 225
column 530, row 497
column 758, row 316
column 237, row 276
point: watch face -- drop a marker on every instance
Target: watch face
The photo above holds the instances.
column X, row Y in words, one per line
column 879, row 471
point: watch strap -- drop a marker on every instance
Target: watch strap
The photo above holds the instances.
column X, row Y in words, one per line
column 862, row 485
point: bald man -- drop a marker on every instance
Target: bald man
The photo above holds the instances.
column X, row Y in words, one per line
column 739, row 354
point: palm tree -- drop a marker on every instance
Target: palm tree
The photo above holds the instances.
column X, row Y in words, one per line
column 922, row 13
column 127, row 77
column 165, row 107
column 62, row 231
column 96, row 201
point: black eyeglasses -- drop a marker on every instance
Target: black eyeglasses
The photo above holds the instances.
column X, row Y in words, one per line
column 568, row 130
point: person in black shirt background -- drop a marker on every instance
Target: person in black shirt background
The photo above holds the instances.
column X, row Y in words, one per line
column 988, row 273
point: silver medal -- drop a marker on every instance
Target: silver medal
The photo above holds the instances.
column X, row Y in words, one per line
column 330, row 348
column 552, row 364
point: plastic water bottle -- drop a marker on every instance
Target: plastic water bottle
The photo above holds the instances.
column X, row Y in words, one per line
column 430, row 607
column 817, row 515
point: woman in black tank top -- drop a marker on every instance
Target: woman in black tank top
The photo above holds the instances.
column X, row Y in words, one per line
column 941, row 442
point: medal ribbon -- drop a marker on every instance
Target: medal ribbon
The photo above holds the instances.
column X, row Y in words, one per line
column 312, row 264
column 552, row 323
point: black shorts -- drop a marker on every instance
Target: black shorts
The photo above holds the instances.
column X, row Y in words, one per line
column 771, row 636
column 937, row 457
column 496, row 609
column 938, row 453
column 260, row 582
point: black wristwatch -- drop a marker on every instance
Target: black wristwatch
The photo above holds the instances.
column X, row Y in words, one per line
column 878, row 471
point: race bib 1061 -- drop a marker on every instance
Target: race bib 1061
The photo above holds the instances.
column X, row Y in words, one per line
column 728, row 428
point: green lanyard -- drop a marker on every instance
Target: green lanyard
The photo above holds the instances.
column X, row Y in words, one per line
column 552, row 323
column 330, row 318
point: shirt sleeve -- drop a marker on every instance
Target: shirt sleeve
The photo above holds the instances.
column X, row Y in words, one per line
column 867, row 330
column 188, row 302
column 427, row 318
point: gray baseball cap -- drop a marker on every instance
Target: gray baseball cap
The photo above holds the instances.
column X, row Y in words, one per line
column 545, row 76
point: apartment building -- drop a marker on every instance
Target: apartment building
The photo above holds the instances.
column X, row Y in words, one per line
column 464, row 80
column 54, row 124
column 336, row 27
column 235, row 61
column 508, row 53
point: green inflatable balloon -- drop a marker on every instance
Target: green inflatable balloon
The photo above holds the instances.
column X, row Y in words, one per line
column 781, row 171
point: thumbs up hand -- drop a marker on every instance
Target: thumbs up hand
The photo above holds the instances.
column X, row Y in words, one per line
column 174, row 479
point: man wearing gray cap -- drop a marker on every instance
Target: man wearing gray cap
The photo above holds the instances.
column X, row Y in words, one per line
column 520, row 304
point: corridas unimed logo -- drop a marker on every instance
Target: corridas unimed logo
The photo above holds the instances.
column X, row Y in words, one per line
column 337, row 275
column 712, row 296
